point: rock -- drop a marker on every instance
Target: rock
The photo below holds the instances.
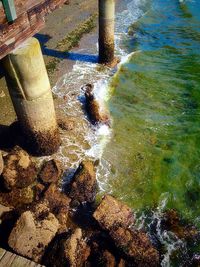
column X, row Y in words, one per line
column 84, row 183
column 19, row 170
column 4, row 209
column 121, row 263
column 171, row 222
column 8, row 218
column 1, row 163
column 76, row 250
column 38, row 190
column 67, row 249
column 108, row 259
column 135, row 245
column 117, row 219
column 195, row 261
column 31, row 234
column 18, row 197
column 112, row 212
column 58, row 204
column 66, row 124
column 50, row 172
column 97, row 113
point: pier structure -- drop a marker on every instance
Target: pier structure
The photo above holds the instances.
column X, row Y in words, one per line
column 25, row 71
column 106, row 31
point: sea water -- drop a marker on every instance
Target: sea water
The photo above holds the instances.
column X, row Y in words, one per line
column 150, row 157
column 154, row 153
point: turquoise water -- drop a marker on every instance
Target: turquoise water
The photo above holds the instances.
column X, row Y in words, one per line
column 154, row 151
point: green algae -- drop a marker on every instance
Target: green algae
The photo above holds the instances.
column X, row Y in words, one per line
column 155, row 147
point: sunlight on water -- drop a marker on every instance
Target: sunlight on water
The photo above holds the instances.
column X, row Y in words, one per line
column 150, row 157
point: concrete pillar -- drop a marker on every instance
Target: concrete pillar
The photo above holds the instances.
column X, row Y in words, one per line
column 106, row 31
column 29, row 88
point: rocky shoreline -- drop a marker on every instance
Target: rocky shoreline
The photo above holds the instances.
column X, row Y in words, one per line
column 54, row 227
column 68, row 227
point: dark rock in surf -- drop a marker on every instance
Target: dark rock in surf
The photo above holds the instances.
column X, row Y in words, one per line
column 117, row 219
column 135, row 245
column 84, row 183
column 96, row 111
column 172, row 222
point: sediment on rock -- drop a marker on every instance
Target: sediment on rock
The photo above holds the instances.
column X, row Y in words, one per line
column 19, row 169
column 42, row 143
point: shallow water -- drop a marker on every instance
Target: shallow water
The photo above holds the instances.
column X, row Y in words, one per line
column 150, row 157
column 153, row 155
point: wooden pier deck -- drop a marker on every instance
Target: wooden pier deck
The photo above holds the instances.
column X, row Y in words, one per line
column 29, row 21
column 8, row 259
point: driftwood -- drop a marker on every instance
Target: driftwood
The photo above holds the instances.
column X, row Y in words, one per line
column 30, row 20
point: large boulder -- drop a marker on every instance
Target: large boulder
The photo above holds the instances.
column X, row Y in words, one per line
column 50, row 172
column 19, row 170
column 32, row 233
column 97, row 112
column 67, row 249
column 118, row 220
column 112, row 212
column 84, row 183
column 76, row 250
column 58, row 204
column 135, row 245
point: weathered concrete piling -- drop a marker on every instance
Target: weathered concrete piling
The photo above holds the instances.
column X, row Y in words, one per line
column 106, row 31
column 30, row 91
